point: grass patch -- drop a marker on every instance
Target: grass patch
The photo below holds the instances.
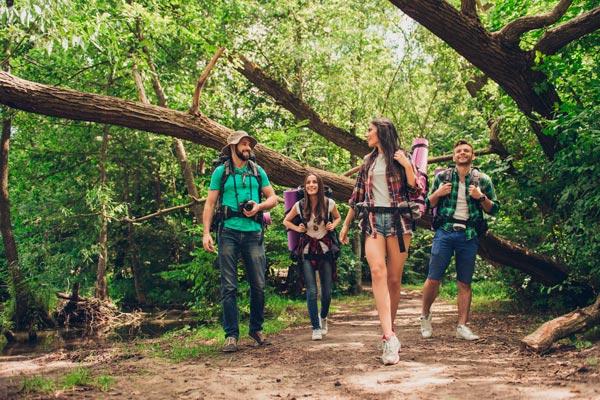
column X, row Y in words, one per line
column 104, row 382
column 487, row 296
column 77, row 377
column 187, row 343
column 38, row 384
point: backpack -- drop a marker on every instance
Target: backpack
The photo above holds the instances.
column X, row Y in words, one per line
column 446, row 176
column 291, row 197
column 223, row 213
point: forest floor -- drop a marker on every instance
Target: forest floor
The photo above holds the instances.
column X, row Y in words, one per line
column 345, row 365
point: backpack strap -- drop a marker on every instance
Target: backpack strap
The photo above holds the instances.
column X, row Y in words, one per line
column 475, row 176
column 301, row 207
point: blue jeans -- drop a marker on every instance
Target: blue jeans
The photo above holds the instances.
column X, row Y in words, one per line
column 310, row 281
column 232, row 244
column 446, row 244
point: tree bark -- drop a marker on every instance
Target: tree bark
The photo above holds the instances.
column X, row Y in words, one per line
column 497, row 55
column 563, row 326
column 64, row 103
column 24, row 317
column 22, row 293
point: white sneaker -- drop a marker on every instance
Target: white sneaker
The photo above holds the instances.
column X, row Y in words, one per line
column 391, row 347
column 323, row 322
column 426, row 329
column 463, row 332
column 317, row 334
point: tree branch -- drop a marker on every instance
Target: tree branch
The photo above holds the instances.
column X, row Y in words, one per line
column 164, row 211
column 513, row 31
column 302, row 111
column 202, row 80
column 139, row 84
column 468, row 8
column 557, row 38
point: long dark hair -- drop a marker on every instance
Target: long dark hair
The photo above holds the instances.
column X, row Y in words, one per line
column 390, row 143
column 321, row 206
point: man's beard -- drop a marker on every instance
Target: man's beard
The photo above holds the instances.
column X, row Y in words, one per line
column 244, row 156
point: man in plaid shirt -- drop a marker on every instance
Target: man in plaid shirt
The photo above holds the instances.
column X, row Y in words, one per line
column 461, row 195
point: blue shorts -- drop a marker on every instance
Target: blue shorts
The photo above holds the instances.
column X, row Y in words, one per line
column 446, row 244
column 385, row 224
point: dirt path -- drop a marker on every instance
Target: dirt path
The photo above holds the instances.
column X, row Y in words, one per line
column 346, row 365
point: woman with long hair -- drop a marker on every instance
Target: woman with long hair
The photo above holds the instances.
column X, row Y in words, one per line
column 381, row 198
column 316, row 217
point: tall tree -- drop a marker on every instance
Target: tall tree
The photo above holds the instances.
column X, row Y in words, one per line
column 499, row 55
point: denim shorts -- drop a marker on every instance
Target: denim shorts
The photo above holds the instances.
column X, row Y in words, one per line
column 445, row 245
column 385, row 224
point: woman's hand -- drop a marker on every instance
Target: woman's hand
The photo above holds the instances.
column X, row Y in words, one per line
column 330, row 226
column 400, row 156
column 344, row 235
column 300, row 228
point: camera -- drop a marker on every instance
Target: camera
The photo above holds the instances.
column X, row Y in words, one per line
column 246, row 205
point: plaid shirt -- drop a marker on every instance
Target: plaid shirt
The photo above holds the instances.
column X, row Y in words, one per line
column 447, row 205
column 363, row 188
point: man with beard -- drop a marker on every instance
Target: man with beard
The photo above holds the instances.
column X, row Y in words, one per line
column 236, row 187
column 461, row 195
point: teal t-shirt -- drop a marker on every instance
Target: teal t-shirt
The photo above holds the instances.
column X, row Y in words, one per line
column 247, row 189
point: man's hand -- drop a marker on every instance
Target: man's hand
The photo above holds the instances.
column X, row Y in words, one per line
column 207, row 242
column 255, row 209
column 443, row 190
column 474, row 192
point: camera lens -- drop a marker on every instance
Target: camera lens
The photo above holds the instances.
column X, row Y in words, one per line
column 248, row 206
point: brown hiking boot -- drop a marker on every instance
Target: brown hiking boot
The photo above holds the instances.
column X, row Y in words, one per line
column 260, row 338
column 230, row 344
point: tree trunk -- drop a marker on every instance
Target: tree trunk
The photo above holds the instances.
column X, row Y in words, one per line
column 132, row 250
column 24, row 317
column 101, row 285
column 563, row 326
column 504, row 62
column 64, row 103
column 21, row 316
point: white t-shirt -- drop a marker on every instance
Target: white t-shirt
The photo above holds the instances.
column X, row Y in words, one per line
column 462, row 210
column 381, row 193
column 321, row 230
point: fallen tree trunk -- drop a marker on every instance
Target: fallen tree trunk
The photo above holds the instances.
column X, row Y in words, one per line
column 563, row 326
column 64, row 103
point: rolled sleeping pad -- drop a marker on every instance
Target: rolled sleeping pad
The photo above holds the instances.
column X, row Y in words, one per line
column 267, row 218
column 420, row 152
column 290, row 197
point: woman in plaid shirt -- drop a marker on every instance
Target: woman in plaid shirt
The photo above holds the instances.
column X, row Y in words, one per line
column 385, row 184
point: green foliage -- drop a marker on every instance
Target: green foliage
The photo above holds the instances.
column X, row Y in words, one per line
column 104, row 382
column 350, row 61
column 38, row 384
column 78, row 377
